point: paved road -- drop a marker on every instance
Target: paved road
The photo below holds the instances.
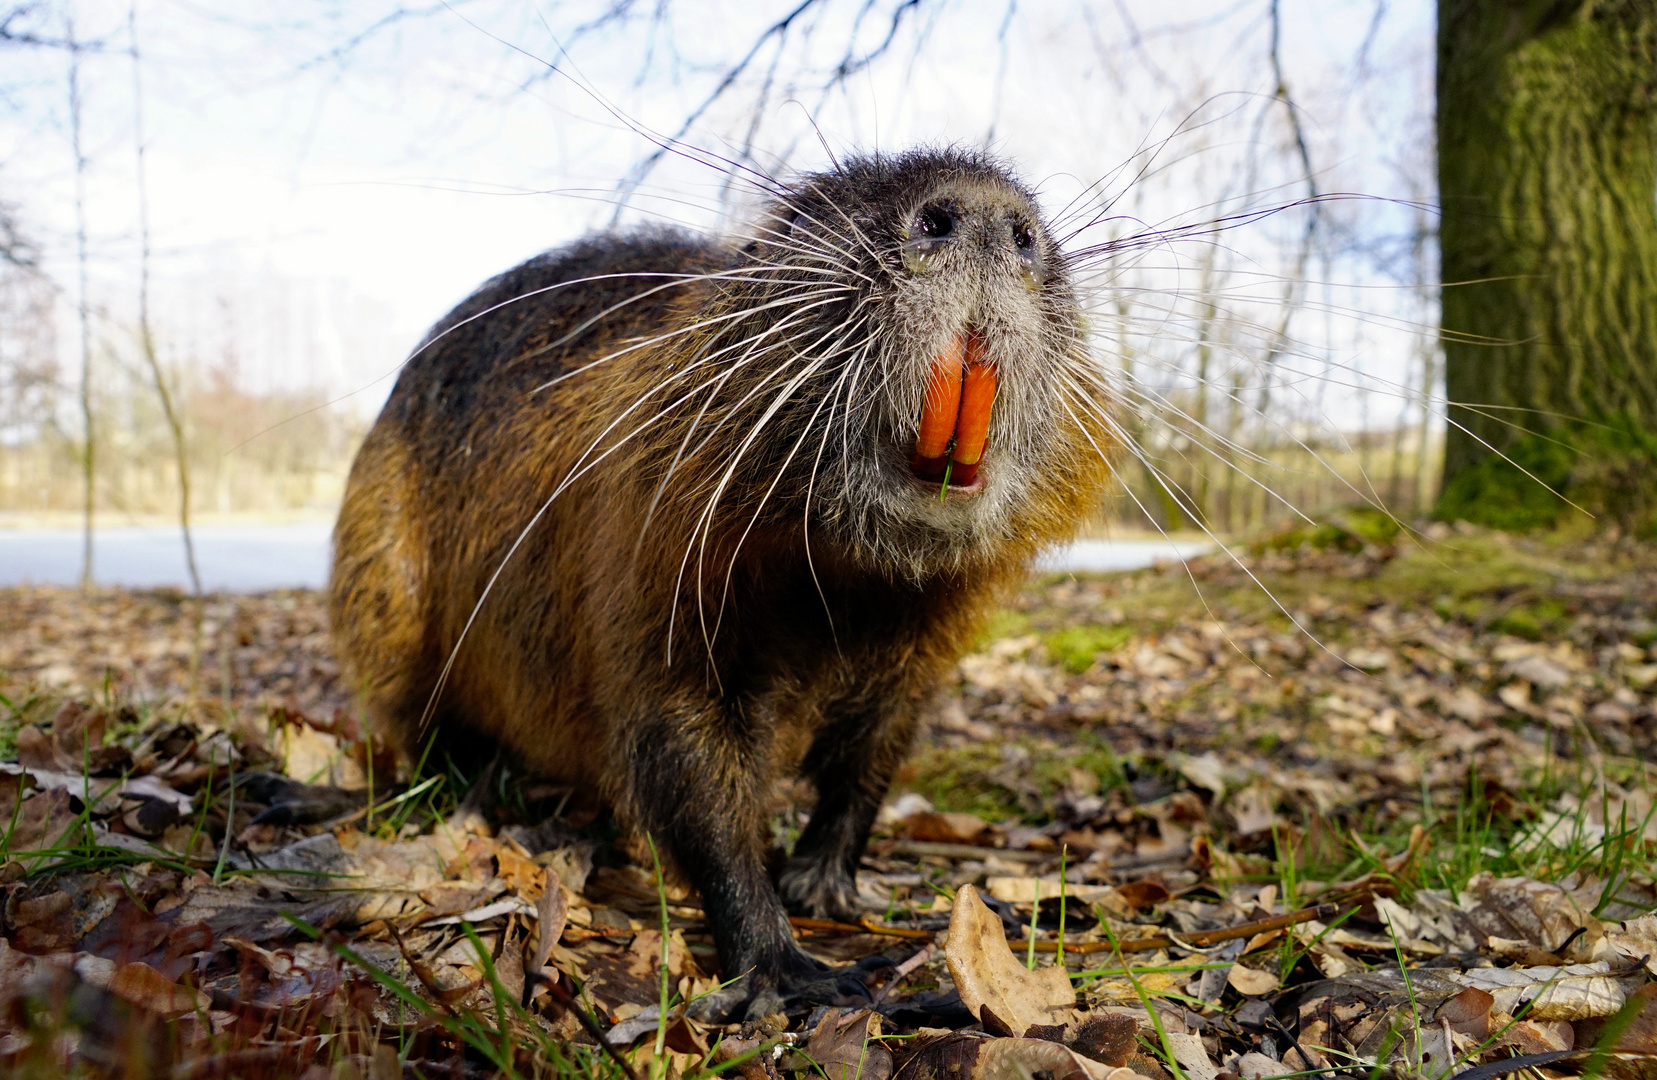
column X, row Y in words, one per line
column 247, row 558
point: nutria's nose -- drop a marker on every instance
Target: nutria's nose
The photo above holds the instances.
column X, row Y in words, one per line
column 935, row 222
column 999, row 228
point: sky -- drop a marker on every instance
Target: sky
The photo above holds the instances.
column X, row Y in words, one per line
column 325, row 178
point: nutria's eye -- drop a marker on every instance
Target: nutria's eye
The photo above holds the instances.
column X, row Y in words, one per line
column 935, row 222
column 927, row 235
column 1030, row 266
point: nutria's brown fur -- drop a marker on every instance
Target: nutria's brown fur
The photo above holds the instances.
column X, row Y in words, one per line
column 726, row 567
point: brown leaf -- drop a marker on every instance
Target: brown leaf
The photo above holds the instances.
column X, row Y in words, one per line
column 39, row 909
column 1018, row 1059
column 521, row 875
column 1144, row 894
column 144, row 986
column 1468, row 1012
column 751, row 1068
column 997, row 1026
column 44, row 821
column 843, row 1047
column 551, row 913
column 36, row 750
column 986, row 972
column 945, row 828
column 685, row 1037
column 1251, row 982
column 950, row 1057
column 1541, row 1036
column 1639, row 1037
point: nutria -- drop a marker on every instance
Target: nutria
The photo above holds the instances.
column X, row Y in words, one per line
column 663, row 515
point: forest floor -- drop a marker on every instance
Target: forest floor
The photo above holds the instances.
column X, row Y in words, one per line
column 1348, row 798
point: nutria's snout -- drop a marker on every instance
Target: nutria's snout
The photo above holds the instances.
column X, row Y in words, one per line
column 955, row 415
column 974, row 246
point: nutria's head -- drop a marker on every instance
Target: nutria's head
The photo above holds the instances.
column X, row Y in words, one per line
column 911, row 335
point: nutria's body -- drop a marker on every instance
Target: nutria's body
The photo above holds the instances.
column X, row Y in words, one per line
column 735, row 571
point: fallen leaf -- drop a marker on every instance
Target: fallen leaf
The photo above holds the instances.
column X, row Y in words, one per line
column 750, row 1051
column 1257, row 1066
column 1188, row 1050
column 987, row 974
column 964, row 1057
column 1251, row 982
column 1029, row 890
column 1144, row 894
column 1576, row 992
column 843, row 1047
column 945, row 828
column 1539, row 1036
column 551, row 912
column 1468, row 1012
column 144, row 986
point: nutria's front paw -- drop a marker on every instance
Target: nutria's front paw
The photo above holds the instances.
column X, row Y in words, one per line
column 729, row 1003
column 803, row 983
column 836, row 986
column 809, row 888
column 289, row 802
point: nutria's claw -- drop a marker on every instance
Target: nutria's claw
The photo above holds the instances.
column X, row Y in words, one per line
column 836, row 986
column 722, row 1006
column 793, row 992
column 289, row 802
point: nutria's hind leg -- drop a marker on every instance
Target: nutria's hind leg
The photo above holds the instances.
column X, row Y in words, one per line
column 851, row 764
column 378, row 602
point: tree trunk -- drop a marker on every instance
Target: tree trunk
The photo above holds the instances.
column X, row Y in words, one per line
column 1547, row 168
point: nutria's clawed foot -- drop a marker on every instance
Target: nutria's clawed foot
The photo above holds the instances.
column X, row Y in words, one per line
column 752, row 997
column 289, row 802
column 809, row 888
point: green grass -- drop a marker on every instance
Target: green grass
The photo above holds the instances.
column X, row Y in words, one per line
column 958, row 780
column 1076, row 647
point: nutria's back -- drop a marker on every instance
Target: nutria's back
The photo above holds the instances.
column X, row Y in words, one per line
column 665, row 515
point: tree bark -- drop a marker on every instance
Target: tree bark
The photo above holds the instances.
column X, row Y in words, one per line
column 1547, row 168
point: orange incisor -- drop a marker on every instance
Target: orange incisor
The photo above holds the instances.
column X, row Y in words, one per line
column 955, row 417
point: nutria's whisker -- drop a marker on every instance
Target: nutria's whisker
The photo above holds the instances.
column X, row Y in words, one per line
column 690, row 431
column 705, row 520
column 681, row 332
column 580, row 468
column 759, row 506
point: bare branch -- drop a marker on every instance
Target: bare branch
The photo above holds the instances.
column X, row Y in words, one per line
column 778, row 29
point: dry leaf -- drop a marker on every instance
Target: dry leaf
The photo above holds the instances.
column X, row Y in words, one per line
column 843, row 1047
column 1576, row 992
column 1192, row 1057
column 1251, row 982
column 1106, row 1036
column 1029, row 890
column 987, row 974
column 1144, row 894
column 1256, row 1066
column 751, row 1067
column 963, row 1057
column 1539, row 1036
column 1468, row 1012
column 551, row 913
column 144, row 986
column 945, row 828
